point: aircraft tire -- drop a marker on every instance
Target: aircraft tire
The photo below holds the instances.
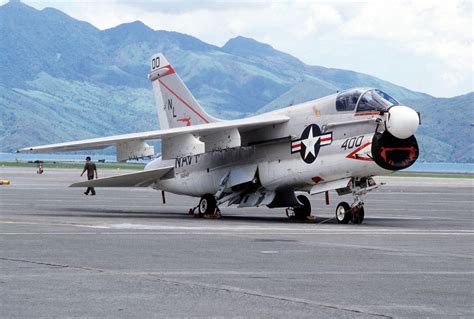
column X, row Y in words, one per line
column 343, row 213
column 207, row 205
column 358, row 215
column 304, row 211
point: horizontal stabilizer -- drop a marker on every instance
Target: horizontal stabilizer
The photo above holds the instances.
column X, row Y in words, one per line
column 140, row 179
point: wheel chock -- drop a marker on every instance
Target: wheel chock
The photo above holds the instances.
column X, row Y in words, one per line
column 215, row 215
column 308, row 219
column 211, row 216
column 311, row 219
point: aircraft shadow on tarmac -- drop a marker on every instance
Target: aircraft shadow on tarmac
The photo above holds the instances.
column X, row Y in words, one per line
column 136, row 214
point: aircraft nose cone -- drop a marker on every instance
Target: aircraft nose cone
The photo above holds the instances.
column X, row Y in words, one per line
column 402, row 121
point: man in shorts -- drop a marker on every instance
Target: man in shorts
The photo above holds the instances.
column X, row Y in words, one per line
column 90, row 168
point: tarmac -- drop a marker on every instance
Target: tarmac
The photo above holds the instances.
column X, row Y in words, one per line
column 122, row 254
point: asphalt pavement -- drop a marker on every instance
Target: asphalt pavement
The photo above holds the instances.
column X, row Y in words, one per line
column 122, row 254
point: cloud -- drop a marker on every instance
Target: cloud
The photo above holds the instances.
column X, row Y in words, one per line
column 319, row 17
column 429, row 39
column 184, row 6
column 440, row 30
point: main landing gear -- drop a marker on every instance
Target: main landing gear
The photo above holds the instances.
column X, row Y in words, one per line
column 207, row 207
column 301, row 212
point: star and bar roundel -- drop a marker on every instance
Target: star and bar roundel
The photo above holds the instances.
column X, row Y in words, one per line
column 310, row 142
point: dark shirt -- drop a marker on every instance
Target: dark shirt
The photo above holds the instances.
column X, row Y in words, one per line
column 90, row 167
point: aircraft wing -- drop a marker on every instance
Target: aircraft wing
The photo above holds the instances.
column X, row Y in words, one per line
column 131, row 145
column 140, row 179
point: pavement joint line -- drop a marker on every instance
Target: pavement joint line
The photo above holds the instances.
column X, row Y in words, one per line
column 253, row 293
column 401, row 251
column 49, row 264
column 230, row 289
column 261, row 273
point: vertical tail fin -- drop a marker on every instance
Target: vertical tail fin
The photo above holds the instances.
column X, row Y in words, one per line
column 176, row 105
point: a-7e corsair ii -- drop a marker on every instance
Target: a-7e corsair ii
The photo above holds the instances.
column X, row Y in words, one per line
column 336, row 142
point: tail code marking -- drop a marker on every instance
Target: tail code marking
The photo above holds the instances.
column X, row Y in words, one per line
column 184, row 102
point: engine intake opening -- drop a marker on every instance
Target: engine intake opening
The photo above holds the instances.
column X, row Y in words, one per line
column 393, row 153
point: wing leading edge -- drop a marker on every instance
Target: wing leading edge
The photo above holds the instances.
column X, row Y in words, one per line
column 134, row 142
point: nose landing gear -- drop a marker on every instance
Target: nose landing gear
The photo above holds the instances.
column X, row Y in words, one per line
column 358, row 214
column 354, row 213
column 345, row 213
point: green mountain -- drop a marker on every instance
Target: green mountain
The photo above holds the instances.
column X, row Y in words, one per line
column 63, row 79
column 446, row 133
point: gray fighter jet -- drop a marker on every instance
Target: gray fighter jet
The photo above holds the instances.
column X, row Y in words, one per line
column 338, row 142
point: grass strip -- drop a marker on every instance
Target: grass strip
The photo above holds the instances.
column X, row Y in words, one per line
column 140, row 166
column 433, row 175
column 76, row 165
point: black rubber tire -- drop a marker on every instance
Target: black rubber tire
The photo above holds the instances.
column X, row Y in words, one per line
column 343, row 213
column 302, row 211
column 358, row 215
column 207, row 205
column 361, row 215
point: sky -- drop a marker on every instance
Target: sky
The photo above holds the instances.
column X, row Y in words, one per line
column 423, row 45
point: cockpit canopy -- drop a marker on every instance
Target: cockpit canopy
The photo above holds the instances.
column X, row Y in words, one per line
column 365, row 100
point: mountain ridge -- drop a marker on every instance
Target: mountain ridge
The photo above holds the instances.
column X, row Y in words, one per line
column 240, row 78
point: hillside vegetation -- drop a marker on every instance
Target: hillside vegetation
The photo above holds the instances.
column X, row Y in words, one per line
column 63, row 79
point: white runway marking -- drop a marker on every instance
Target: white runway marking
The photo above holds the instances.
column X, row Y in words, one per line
column 420, row 193
column 303, row 229
column 431, row 202
column 396, row 217
column 217, row 229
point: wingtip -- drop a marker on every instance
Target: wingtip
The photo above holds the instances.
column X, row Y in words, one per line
column 24, row 150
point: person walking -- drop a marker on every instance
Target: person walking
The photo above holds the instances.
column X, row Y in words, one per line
column 90, row 168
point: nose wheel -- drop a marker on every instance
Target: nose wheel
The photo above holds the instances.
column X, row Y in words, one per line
column 358, row 214
column 345, row 213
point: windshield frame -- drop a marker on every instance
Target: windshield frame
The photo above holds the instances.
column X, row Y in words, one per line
column 377, row 104
column 349, row 94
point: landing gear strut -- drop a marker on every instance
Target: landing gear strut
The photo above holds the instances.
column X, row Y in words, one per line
column 354, row 213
